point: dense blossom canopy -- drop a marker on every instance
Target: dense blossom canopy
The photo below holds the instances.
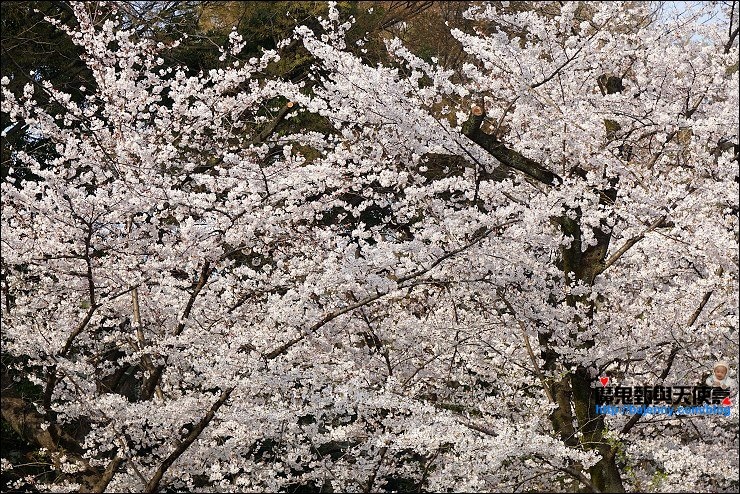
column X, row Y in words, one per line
column 385, row 276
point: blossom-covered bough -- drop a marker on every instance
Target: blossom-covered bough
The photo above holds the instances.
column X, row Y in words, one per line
column 209, row 296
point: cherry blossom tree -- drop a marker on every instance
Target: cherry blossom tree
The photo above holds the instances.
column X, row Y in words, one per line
column 206, row 292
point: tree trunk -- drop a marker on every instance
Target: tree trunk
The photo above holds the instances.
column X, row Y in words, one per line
column 583, row 267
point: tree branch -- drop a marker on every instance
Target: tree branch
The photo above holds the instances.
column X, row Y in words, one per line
column 33, row 427
column 630, row 243
column 151, row 385
column 153, row 483
column 477, row 428
column 205, row 272
column 733, row 35
column 513, row 159
column 270, row 128
column 572, row 472
column 106, row 477
column 369, row 299
column 671, row 357
column 529, row 347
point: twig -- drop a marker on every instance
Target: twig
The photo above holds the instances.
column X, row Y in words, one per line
column 577, row 474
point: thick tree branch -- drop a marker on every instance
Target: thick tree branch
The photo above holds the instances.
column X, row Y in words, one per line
column 102, row 484
column 33, row 427
column 631, row 242
column 371, row 480
column 272, row 125
column 145, row 359
column 507, row 156
column 733, row 35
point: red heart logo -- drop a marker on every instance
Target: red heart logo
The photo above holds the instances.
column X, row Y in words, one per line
column 604, row 381
column 727, row 401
